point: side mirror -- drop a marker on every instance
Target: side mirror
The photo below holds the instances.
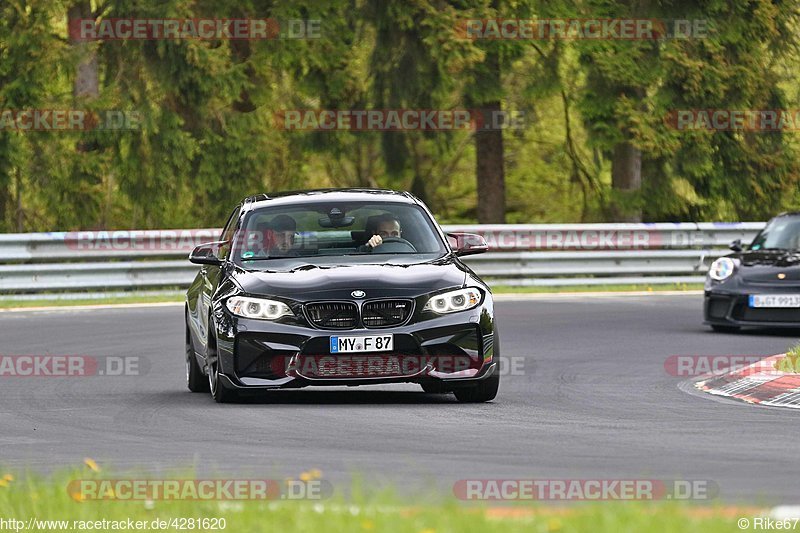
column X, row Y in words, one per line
column 207, row 254
column 736, row 245
column 467, row 243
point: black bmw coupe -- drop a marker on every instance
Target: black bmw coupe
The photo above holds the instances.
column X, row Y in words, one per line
column 339, row 287
column 758, row 285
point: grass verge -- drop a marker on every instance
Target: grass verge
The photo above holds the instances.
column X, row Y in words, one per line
column 7, row 303
column 47, row 499
column 790, row 362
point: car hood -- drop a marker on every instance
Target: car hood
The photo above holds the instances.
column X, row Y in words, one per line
column 765, row 265
column 311, row 282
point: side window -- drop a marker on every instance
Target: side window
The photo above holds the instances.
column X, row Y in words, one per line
column 230, row 225
column 228, row 231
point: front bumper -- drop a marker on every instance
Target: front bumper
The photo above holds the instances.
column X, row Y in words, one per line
column 730, row 307
column 451, row 350
column 450, row 383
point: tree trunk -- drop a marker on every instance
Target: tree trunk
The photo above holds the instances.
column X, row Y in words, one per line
column 489, row 161
column 490, row 171
column 626, row 180
column 86, row 84
column 5, row 182
column 419, row 187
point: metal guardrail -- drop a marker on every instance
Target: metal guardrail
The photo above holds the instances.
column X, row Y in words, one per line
column 520, row 255
column 100, row 245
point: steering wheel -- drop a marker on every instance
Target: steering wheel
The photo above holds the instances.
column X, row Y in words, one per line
column 394, row 244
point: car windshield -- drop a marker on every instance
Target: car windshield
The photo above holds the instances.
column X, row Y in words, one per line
column 782, row 233
column 327, row 233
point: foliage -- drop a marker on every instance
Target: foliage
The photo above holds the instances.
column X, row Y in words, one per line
column 208, row 134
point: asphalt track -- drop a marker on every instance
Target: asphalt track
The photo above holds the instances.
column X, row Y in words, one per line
column 593, row 402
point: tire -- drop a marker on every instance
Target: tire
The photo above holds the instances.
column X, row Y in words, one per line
column 218, row 390
column 215, row 386
column 195, row 380
column 725, row 329
column 483, row 391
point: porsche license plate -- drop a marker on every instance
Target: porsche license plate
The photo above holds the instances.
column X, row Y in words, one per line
column 775, row 300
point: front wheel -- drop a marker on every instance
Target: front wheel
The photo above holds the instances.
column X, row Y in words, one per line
column 218, row 390
column 483, row 391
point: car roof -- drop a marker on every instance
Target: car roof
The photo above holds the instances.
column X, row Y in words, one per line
column 327, row 195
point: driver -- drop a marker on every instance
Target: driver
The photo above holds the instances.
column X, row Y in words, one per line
column 794, row 242
column 283, row 234
column 387, row 226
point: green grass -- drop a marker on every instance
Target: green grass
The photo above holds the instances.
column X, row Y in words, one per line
column 7, row 303
column 31, row 496
column 791, row 362
column 794, row 351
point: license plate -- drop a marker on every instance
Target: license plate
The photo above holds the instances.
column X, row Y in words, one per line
column 775, row 300
column 371, row 343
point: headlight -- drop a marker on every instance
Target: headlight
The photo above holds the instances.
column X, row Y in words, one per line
column 453, row 301
column 257, row 308
column 721, row 269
